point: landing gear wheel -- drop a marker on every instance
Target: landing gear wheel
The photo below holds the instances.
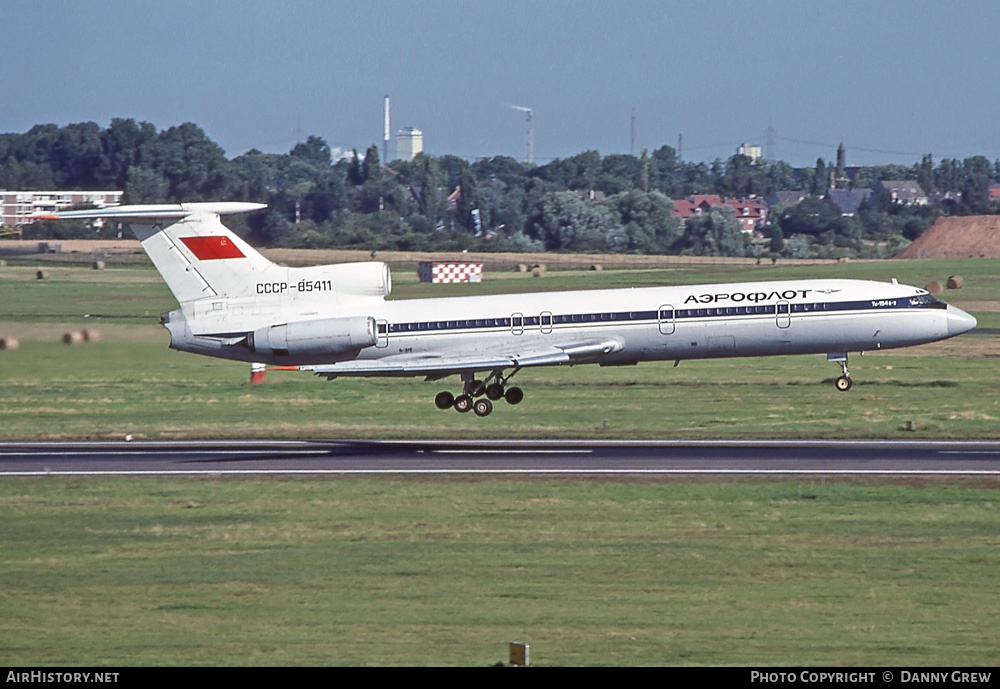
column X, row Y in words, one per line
column 463, row 403
column 514, row 395
column 482, row 407
column 474, row 388
column 494, row 391
column 843, row 383
column 444, row 400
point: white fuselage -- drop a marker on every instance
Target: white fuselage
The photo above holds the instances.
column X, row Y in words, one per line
column 647, row 324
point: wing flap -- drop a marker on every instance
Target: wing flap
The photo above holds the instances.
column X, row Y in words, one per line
column 435, row 364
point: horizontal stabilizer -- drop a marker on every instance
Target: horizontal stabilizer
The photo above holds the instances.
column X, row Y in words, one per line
column 198, row 257
column 163, row 210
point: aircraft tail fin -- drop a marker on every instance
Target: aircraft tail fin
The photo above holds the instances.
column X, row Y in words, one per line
column 195, row 253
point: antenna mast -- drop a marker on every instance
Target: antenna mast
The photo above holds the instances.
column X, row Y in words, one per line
column 631, row 142
column 529, row 134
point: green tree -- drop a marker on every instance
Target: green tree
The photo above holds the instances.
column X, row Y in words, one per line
column 647, row 217
column 735, row 181
column 122, row 144
column 195, row 167
column 777, row 244
column 314, row 151
column 467, row 205
column 820, row 180
column 642, row 180
column 947, row 176
column 716, row 233
column 76, row 156
column 976, row 186
column 663, row 171
column 354, row 175
column 427, row 181
column 505, row 168
column 810, row 216
column 145, row 185
column 371, row 168
column 783, row 177
column 451, row 169
column 924, row 174
column 618, row 173
column 564, row 222
column 255, row 175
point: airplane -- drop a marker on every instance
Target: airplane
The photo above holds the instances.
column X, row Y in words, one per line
column 335, row 321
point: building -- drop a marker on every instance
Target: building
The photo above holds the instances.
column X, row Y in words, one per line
column 904, row 192
column 785, row 198
column 751, row 151
column 750, row 212
column 848, row 200
column 17, row 208
column 409, row 142
column 695, row 205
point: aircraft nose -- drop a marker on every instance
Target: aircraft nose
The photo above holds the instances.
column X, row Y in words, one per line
column 959, row 321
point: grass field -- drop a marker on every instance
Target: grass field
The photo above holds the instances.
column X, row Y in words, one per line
column 171, row 571
column 431, row 572
column 110, row 389
column 130, row 383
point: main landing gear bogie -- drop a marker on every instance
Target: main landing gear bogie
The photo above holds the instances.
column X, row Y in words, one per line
column 478, row 396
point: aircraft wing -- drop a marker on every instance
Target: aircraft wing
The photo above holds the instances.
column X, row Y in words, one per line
column 441, row 364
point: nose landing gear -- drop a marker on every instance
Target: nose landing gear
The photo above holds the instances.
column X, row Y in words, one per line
column 844, row 382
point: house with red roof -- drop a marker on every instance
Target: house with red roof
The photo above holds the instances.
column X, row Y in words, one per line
column 750, row 212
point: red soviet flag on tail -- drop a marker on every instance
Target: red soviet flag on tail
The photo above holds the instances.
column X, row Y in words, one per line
column 211, row 248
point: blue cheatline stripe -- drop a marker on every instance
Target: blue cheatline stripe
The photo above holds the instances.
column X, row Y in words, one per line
column 666, row 314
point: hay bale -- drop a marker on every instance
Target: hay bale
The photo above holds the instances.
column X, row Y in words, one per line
column 9, row 343
column 91, row 335
column 40, row 274
column 538, row 271
column 75, row 337
column 597, row 267
column 522, row 267
column 955, row 282
column 934, row 287
column 99, row 265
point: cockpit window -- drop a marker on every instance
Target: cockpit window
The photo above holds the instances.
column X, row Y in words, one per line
column 927, row 301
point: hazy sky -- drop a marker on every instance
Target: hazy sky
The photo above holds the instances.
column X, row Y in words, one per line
column 891, row 79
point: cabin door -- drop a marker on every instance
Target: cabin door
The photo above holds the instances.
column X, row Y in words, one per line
column 665, row 319
column 783, row 314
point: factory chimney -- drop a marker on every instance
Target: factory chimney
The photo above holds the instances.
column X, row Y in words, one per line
column 385, row 134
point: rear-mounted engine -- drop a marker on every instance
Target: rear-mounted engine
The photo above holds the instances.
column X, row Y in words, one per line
column 328, row 336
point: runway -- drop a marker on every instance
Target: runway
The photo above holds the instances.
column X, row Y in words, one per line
column 513, row 457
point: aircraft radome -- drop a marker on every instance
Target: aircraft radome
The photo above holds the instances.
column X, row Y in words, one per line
column 334, row 320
